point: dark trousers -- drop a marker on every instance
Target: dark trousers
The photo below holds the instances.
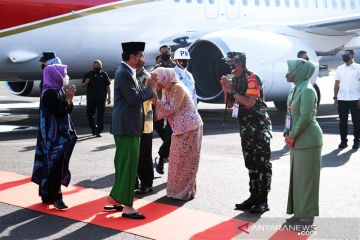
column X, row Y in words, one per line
column 165, row 133
column 54, row 183
column 343, row 108
column 99, row 107
column 145, row 168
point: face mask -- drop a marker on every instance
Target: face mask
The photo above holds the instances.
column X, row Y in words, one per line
column 346, row 57
column 66, row 80
column 165, row 57
column 183, row 64
column 43, row 66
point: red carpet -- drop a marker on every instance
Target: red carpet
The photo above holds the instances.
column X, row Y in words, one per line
column 162, row 221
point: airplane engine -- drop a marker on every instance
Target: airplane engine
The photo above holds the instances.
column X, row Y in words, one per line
column 266, row 53
column 32, row 88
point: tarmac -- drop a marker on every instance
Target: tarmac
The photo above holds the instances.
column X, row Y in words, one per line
column 222, row 179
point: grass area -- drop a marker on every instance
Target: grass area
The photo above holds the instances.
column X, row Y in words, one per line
column 1, row 85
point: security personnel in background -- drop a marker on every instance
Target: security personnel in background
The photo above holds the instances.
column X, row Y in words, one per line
column 161, row 126
column 244, row 93
column 165, row 57
column 303, row 54
column 182, row 57
column 97, row 85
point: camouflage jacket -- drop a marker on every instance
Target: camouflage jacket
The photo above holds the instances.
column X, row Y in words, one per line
column 253, row 122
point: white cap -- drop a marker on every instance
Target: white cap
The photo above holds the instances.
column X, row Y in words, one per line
column 181, row 53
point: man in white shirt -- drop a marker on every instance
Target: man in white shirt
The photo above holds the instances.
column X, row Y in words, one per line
column 182, row 57
column 347, row 97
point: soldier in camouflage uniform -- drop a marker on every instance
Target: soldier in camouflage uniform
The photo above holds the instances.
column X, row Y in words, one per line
column 243, row 92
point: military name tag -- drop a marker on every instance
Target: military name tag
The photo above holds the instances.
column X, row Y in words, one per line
column 235, row 110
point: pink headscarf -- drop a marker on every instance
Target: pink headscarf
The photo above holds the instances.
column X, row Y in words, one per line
column 53, row 77
column 166, row 76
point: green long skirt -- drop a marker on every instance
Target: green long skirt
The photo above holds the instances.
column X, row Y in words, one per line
column 126, row 163
column 305, row 165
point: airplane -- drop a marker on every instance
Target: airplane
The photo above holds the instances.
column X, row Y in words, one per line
column 268, row 31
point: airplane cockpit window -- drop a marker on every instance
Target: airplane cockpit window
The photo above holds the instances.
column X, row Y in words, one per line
column 334, row 4
column 245, row 2
column 267, row 3
column 343, row 4
column 287, row 3
column 277, row 3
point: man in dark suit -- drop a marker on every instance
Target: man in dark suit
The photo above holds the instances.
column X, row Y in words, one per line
column 127, row 126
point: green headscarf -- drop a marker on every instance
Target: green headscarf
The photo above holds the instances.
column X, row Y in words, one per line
column 301, row 69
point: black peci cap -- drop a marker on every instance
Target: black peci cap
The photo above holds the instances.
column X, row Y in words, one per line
column 46, row 56
column 133, row 46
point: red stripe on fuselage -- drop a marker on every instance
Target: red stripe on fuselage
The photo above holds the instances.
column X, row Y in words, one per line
column 20, row 12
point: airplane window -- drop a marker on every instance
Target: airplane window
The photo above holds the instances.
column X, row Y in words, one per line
column 325, row 4
column 277, row 3
column 296, row 3
column 257, row 2
column 334, row 4
column 316, row 4
column 306, row 3
column 343, row 4
column 267, row 3
column 352, row 4
column 245, row 2
column 232, row 2
column 188, row 1
column 200, row 1
column 287, row 3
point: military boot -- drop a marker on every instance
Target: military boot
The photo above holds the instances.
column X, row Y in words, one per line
column 261, row 205
column 248, row 203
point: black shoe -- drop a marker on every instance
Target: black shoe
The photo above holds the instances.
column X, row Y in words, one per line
column 159, row 166
column 343, row 144
column 135, row 215
column 259, row 207
column 143, row 190
column 356, row 145
column 59, row 204
column 93, row 132
column 46, row 201
column 247, row 204
column 98, row 135
column 113, row 207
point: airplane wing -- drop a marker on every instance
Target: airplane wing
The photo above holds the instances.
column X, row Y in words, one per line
column 346, row 25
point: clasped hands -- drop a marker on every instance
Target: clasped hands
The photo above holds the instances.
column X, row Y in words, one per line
column 151, row 83
column 226, row 84
column 70, row 93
